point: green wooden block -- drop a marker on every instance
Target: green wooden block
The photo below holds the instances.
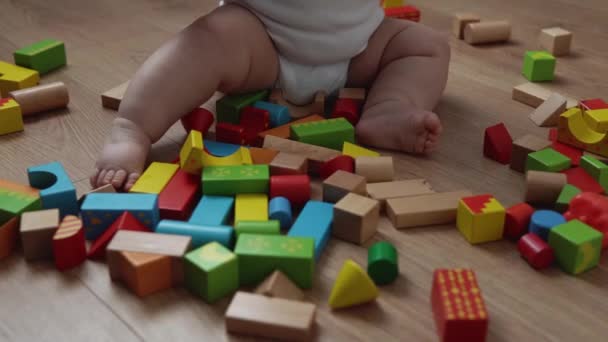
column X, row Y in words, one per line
column 576, row 246
column 548, row 160
column 260, row 255
column 43, row 56
column 597, row 169
column 569, row 191
column 238, row 179
column 228, row 108
column 330, row 133
column 270, row 227
column 539, row 66
column 16, row 199
column 211, row 272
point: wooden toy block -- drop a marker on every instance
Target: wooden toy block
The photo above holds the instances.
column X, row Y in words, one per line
column 569, row 191
column 316, row 154
column 317, row 106
column 211, row 272
column 375, row 169
column 547, row 114
column 539, row 66
column 596, row 156
column 424, row 210
column 352, row 287
column 178, row 198
column 254, row 120
column 486, row 32
column 522, row 147
column 200, row 234
column 481, row 219
column 239, row 157
column 597, row 169
column 173, row 246
column 534, row 95
column 69, row 247
column 145, row 273
column 296, row 188
column 155, row 178
column 556, row 40
column 356, row 151
column 199, row 119
column 41, row 98
column 56, row 188
column 517, row 220
column 458, row 306
column 37, row 229
column 220, row 149
column 597, row 119
column 271, row 227
column 581, row 179
column 584, row 207
column 230, row 133
column 232, row 180
column 284, row 131
column 260, row 255
column 278, row 285
column 572, row 153
column 574, row 131
column 276, row 318
column 340, row 184
column 576, row 245
column 43, row 56
column 262, row 156
column 535, row 251
column 288, row 164
column 13, row 77
column 542, row 221
column 228, row 108
column 393, row 3
column 382, row 263
column 126, row 221
column 548, row 160
column 358, row 94
column 279, row 208
column 344, row 163
column 191, row 154
column 246, row 155
column 409, row 12
column 592, row 104
column 315, row 221
column 330, row 133
column 498, row 144
column 212, row 211
column 112, row 98
column 543, row 188
column 100, row 210
column 460, row 21
column 279, row 115
column 251, row 207
column 356, row 218
column 9, row 233
column 348, row 109
column 396, row 189
column 108, row 188
column 11, row 118
column 16, row 199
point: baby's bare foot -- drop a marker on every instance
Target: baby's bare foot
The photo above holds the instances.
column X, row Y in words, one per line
column 395, row 126
column 123, row 156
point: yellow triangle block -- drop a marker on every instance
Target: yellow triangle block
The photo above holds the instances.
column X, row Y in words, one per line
column 352, row 287
column 191, row 154
column 355, row 151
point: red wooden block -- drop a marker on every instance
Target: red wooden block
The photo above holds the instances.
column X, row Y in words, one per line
column 229, row 133
column 553, row 134
column 344, row 163
column 458, row 307
column 593, row 104
column 581, row 179
column 125, row 221
column 69, row 246
column 592, row 209
column 536, row 251
column 573, row 153
column 178, row 198
column 497, row 144
column 403, row 12
column 349, row 109
column 517, row 220
column 254, row 120
column 199, row 119
column 296, row 188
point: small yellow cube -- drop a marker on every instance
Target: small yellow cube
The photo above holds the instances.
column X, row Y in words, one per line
column 251, row 207
column 11, row 119
column 481, row 218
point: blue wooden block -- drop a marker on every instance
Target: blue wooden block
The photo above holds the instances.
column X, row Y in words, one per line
column 56, row 188
column 212, row 211
column 543, row 221
column 201, row 234
column 220, row 149
column 279, row 115
column 314, row 222
column 100, row 210
column 279, row 208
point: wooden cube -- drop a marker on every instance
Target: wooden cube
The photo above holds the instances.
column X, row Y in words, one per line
column 211, row 272
column 375, row 169
column 341, row 183
column 481, row 218
column 577, row 246
column 548, row 160
column 278, row 285
column 289, row 164
column 539, row 66
column 356, row 218
column 524, row 146
column 11, row 118
column 146, row 273
column 556, row 40
column 37, row 231
column 461, row 20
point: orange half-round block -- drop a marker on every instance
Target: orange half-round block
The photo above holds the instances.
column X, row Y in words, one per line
column 574, row 130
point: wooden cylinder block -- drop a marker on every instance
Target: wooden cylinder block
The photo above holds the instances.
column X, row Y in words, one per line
column 487, row 32
column 543, row 188
column 375, row 169
column 41, row 98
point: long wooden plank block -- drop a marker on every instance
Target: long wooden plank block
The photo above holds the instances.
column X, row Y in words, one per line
column 424, row 210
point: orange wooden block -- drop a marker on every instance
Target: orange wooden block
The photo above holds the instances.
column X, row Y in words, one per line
column 146, row 273
column 69, row 247
column 9, row 232
column 280, row 286
column 284, row 130
column 262, row 156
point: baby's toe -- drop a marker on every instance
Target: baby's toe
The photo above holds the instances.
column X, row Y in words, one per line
column 432, row 124
column 131, row 179
column 108, row 177
column 100, row 177
column 119, row 179
column 93, row 178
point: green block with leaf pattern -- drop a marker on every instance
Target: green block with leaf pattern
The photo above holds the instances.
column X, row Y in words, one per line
column 235, row 179
column 211, row 272
column 330, row 133
column 576, row 246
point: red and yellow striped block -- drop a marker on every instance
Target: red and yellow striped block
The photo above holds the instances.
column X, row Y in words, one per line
column 458, row 307
column 69, row 248
column 481, row 218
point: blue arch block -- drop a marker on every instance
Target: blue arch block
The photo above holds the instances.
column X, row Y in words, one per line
column 279, row 115
column 279, row 209
column 543, row 221
column 56, row 188
column 201, row 234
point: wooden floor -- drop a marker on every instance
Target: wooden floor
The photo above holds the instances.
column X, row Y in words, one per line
column 106, row 41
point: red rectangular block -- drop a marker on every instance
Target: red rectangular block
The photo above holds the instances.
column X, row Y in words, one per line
column 178, row 198
column 254, row 121
column 581, row 179
column 229, row 133
column 593, row 104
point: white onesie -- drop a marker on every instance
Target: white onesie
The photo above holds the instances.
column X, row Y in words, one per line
column 316, row 39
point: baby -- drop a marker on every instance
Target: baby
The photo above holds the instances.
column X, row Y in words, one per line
column 300, row 46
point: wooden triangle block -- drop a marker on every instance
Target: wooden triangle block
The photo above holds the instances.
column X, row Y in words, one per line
column 280, row 286
column 497, row 144
column 352, row 287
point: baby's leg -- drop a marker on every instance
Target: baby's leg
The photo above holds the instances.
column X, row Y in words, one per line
column 227, row 50
column 406, row 67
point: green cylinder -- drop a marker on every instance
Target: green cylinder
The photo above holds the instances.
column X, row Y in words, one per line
column 270, row 227
column 382, row 263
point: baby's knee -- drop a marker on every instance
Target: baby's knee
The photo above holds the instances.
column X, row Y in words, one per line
column 438, row 44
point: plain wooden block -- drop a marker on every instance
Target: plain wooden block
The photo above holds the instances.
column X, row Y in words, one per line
column 461, row 20
column 524, row 146
column 111, row 99
column 41, row 98
column 424, row 210
column 401, row 188
column 146, row 273
column 278, row 285
column 375, row 169
column 352, row 93
column 341, row 183
column 317, row 106
column 356, row 218
column 316, row 155
column 256, row 315
column 547, row 114
column 289, row 164
column 543, row 188
column 534, row 95
column 487, row 32
column 37, row 230
column 556, row 40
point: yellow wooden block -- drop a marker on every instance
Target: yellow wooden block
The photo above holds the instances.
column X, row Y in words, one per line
column 597, row 120
column 11, row 119
column 234, row 159
column 191, row 154
column 14, row 77
column 251, row 207
column 481, row 218
column 155, row 178
column 393, row 3
column 246, row 156
column 352, row 287
column 355, row 151
column 572, row 129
